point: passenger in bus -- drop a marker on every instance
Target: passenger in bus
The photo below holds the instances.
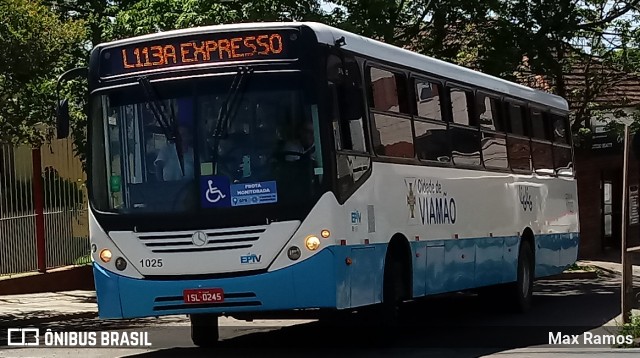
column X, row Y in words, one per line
column 167, row 163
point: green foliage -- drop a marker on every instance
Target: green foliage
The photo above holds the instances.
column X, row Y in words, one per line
column 83, row 260
column 592, row 41
column 143, row 17
column 633, row 329
column 36, row 47
column 444, row 29
column 45, row 37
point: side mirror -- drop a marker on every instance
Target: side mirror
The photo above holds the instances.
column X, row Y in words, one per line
column 62, row 109
column 62, row 119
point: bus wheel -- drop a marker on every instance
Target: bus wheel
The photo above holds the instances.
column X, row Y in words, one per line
column 204, row 330
column 392, row 295
column 523, row 289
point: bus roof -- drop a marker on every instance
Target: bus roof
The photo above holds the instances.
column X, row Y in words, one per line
column 385, row 52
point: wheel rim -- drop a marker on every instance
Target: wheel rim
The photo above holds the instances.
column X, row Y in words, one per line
column 526, row 281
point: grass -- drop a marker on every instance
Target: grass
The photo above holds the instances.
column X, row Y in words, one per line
column 576, row 267
column 633, row 329
column 83, row 260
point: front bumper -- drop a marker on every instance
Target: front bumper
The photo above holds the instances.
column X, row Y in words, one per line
column 307, row 284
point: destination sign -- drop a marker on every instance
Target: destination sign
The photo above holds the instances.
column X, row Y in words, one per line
column 198, row 49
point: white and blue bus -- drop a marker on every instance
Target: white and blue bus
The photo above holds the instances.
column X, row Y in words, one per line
column 272, row 167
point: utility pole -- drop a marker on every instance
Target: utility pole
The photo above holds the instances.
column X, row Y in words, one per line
column 630, row 217
column 626, row 307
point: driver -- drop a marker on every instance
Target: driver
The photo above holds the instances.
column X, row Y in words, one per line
column 304, row 144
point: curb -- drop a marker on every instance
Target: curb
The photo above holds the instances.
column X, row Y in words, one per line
column 608, row 270
column 68, row 278
column 17, row 323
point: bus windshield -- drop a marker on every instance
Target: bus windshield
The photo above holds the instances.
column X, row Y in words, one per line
column 225, row 145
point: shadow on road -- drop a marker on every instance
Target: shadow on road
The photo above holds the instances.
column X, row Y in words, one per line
column 474, row 325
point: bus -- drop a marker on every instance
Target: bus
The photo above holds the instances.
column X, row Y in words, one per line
column 258, row 168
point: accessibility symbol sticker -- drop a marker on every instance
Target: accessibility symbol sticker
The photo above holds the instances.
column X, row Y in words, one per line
column 214, row 191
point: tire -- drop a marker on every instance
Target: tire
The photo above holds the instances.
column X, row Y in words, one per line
column 392, row 295
column 522, row 290
column 204, row 330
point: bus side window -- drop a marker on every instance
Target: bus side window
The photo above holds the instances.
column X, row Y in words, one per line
column 430, row 129
column 562, row 151
column 392, row 135
column 346, row 108
column 518, row 147
column 493, row 140
column 541, row 148
column 463, row 131
column 346, row 105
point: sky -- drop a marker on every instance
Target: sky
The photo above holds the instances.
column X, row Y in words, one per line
column 327, row 6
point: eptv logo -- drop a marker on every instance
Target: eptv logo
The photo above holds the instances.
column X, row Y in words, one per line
column 250, row 259
column 23, row 337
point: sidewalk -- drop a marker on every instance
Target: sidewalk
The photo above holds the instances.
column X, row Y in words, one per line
column 20, row 310
column 610, row 261
column 613, row 267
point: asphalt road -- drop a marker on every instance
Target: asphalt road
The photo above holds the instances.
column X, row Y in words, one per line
column 461, row 325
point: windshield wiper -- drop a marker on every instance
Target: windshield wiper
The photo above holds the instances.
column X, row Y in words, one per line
column 229, row 107
column 169, row 125
column 230, row 104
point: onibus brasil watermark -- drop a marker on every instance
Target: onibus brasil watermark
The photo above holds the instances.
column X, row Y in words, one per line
column 32, row 337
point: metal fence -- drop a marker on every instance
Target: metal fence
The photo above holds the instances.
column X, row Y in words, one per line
column 43, row 208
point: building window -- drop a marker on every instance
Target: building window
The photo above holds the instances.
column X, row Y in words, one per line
column 608, row 205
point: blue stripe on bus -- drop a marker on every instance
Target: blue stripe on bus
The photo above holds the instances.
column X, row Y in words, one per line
column 326, row 280
column 310, row 283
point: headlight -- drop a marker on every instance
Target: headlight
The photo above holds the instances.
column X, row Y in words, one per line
column 312, row 243
column 105, row 255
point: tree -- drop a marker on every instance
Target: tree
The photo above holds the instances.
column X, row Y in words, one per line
column 427, row 26
column 143, row 17
column 36, row 47
column 581, row 48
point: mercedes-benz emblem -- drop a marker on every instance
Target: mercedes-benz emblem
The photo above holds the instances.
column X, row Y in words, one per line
column 199, row 238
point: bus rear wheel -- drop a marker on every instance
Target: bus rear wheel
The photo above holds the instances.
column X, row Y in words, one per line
column 204, row 330
column 522, row 290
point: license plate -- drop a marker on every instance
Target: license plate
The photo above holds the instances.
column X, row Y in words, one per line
column 203, row 295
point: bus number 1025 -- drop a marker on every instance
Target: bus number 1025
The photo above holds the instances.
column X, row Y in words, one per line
column 151, row 262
